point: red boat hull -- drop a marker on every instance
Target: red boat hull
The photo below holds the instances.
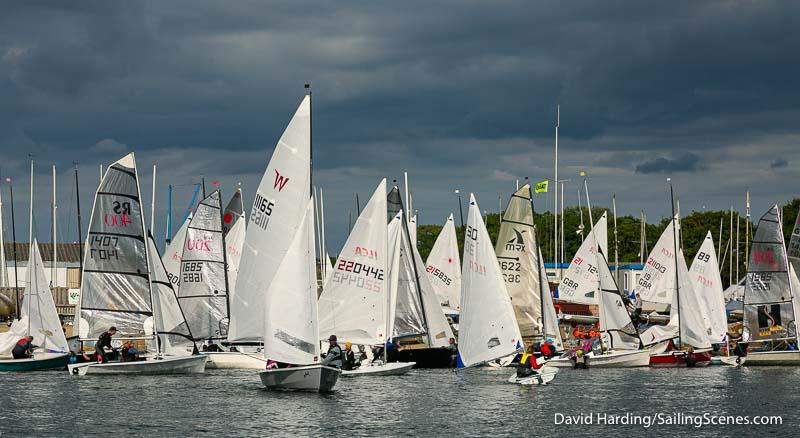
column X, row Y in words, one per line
column 673, row 359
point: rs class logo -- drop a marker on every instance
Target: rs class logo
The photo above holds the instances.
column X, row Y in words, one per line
column 516, row 243
column 366, row 252
column 280, row 181
column 121, row 217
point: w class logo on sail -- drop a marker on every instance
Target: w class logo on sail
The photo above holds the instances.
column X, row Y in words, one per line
column 280, row 181
column 516, row 243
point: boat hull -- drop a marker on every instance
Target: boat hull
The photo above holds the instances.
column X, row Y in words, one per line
column 380, row 369
column 544, row 376
column 39, row 361
column 676, row 359
column 314, row 378
column 227, row 360
column 614, row 359
column 427, row 357
column 168, row 365
column 772, row 358
column 729, row 360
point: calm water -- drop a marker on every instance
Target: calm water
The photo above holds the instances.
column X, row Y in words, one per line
column 422, row 403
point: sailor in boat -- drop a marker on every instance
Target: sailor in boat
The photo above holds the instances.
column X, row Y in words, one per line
column 23, row 349
column 103, row 342
column 333, row 357
column 547, row 349
column 350, row 361
column 129, row 352
column 528, row 365
column 453, row 347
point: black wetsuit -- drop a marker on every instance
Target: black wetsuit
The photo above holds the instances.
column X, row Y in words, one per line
column 104, row 341
column 21, row 349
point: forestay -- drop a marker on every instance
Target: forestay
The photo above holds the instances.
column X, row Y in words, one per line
column 444, row 266
column 487, row 327
column 233, row 226
column 516, row 252
column 707, row 285
column 354, row 301
column 582, row 280
column 405, row 301
column 203, row 291
column 170, row 324
column 769, row 312
column 272, row 224
column 174, row 253
column 291, row 334
column 115, row 289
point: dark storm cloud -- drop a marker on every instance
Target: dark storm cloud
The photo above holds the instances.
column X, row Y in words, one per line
column 778, row 164
column 462, row 94
column 687, row 162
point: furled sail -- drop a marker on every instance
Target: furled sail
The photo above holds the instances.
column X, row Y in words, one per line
column 233, row 225
column 203, row 291
column 516, row 252
column 355, row 300
column 769, row 312
column 582, row 279
column 170, row 324
column 272, row 225
column 115, row 290
column 444, row 266
column 291, row 334
column 487, row 328
column 174, row 253
column 707, row 285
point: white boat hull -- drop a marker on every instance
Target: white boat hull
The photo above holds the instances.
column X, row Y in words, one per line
column 228, row 360
column 380, row 369
column 315, row 378
column 543, row 376
column 167, row 365
column 614, row 359
column 728, row 360
column 772, row 358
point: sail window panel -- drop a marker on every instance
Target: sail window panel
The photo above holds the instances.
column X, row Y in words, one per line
column 115, row 254
column 208, row 217
column 206, row 316
column 201, row 245
column 116, row 215
column 767, row 287
column 120, row 179
column 120, row 292
column 770, row 321
column 127, row 323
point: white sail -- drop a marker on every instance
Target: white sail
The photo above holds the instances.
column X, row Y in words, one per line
column 439, row 331
column 39, row 309
column 487, row 327
column 115, row 288
column 516, row 252
column 272, row 224
column 793, row 251
column 203, row 291
column 291, row 334
column 582, row 279
column 405, row 305
column 657, row 281
column 412, row 229
column 354, row 301
column 174, row 253
column 707, row 285
column 550, row 325
column 616, row 326
column 234, row 227
column 170, row 324
column 444, row 266
column 769, row 301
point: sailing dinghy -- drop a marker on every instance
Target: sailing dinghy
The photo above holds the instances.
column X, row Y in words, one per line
column 771, row 295
column 444, row 270
column 125, row 284
column 355, row 304
column 38, row 318
column 588, row 280
column 291, row 334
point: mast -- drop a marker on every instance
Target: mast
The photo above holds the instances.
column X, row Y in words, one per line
column 322, row 227
column 616, row 241
column 317, row 230
column 3, row 266
column 675, row 249
column 168, row 237
column 147, row 258
column 153, row 201
column 561, row 253
column 555, row 190
column 224, row 263
column 30, row 212
column 730, row 256
column 738, row 216
column 54, row 271
column 580, row 210
column 600, row 307
column 80, row 237
column 642, row 234
column 14, row 247
column 747, row 230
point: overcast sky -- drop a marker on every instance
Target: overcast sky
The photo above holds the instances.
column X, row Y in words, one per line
column 461, row 94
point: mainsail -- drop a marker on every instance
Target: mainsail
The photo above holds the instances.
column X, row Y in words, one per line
column 173, row 333
column 707, row 284
column 354, row 304
column 487, row 328
column 793, row 252
column 769, row 308
column 516, row 252
column 291, row 334
column 203, row 291
column 272, row 225
column 233, row 225
column 444, row 266
column 550, row 327
column 174, row 253
column 405, row 302
column 115, row 290
column 582, row 279
column 39, row 309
